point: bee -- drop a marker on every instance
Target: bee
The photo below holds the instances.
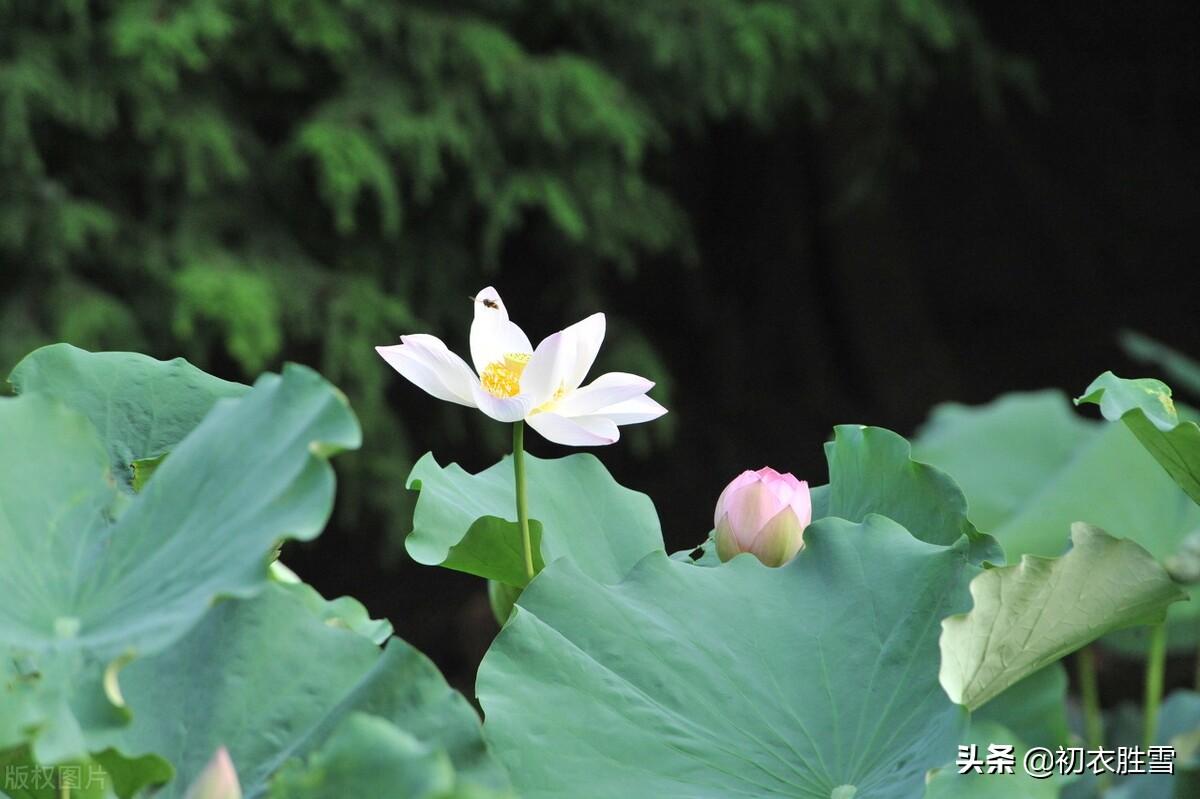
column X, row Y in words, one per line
column 487, row 302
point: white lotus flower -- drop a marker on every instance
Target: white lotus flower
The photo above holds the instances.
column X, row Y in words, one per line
column 513, row 381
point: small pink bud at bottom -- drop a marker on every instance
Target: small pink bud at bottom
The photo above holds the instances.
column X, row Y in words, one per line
column 218, row 780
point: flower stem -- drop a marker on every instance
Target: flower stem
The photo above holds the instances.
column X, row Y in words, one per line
column 1155, row 665
column 1196, row 687
column 1089, row 695
column 522, row 505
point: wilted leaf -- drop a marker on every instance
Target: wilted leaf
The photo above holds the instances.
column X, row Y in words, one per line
column 1031, row 466
column 1031, row 614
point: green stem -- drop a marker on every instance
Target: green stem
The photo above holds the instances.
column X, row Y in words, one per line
column 1089, row 695
column 522, row 505
column 1155, row 666
column 1197, row 686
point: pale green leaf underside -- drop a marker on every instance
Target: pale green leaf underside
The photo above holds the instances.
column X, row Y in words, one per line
column 1031, row 614
column 582, row 512
column 736, row 681
column 1031, row 466
column 1145, row 406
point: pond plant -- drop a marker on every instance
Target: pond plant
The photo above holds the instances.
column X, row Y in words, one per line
column 895, row 632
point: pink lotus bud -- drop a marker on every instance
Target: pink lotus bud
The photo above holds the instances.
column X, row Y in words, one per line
column 218, row 780
column 764, row 513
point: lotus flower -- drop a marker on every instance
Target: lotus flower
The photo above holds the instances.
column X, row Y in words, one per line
column 218, row 780
column 513, row 381
column 763, row 513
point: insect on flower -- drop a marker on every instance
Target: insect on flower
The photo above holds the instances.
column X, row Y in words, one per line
column 513, row 381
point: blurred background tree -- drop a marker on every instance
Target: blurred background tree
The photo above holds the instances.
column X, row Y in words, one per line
column 795, row 213
column 242, row 181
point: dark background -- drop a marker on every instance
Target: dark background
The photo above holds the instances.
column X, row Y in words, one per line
column 976, row 218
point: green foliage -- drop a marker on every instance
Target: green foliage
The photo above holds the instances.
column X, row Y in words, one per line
column 140, row 407
column 1146, row 408
column 96, row 576
column 1179, row 726
column 1031, row 467
column 1037, row 706
column 278, row 659
column 871, row 471
column 923, row 499
column 734, row 680
column 947, row 783
column 145, row 628
column 367, row 756
column 576, row 509
column 232, row 180
column 142, row 629
column 1102, row 584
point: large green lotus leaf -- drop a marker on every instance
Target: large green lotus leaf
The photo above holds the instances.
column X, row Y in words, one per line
column 141, row 407
column 817, row 679
column 85, row 593
column 271, row 677
column 1031, row 614
column 871, row 471
column 254, row 675
column 1145, row 406
column 577, row 509
column 1030, row 467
